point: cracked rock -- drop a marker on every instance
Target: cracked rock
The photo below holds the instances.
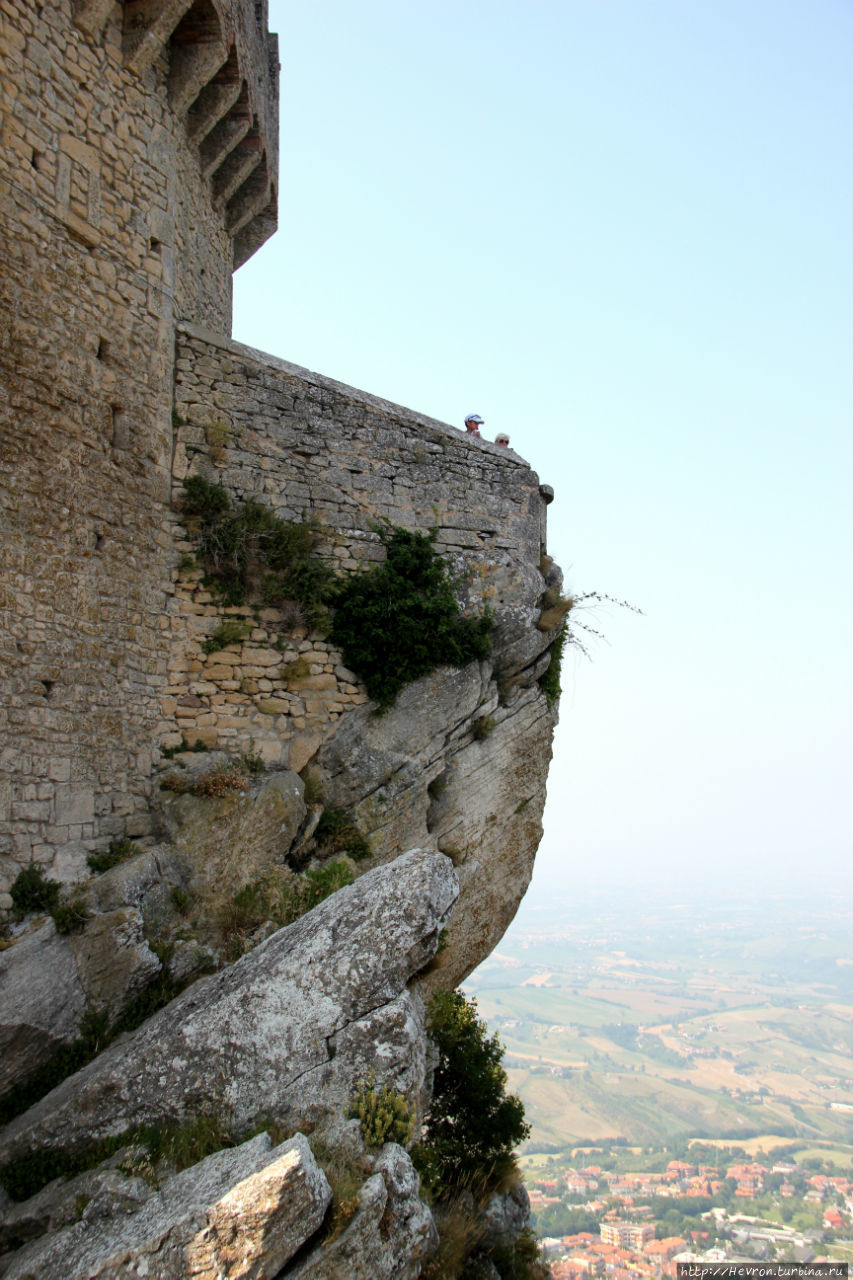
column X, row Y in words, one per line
column 239, row 1042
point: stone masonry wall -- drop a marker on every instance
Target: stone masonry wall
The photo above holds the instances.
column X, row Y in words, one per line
column 310, row 447
column 114, row 221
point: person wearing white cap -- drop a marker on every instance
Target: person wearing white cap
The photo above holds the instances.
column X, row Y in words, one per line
column 473, row 423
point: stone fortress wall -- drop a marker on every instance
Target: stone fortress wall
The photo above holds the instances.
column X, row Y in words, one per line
column 138, row 161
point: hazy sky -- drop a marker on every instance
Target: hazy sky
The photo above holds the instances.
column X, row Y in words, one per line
column 621, row 231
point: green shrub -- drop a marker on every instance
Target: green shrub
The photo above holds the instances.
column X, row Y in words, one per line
column 483, row 728
column 336, row 833
column 460, row 1230
column 326, row 880
column 181, row 899
column 229, row 631
column 400, row 620
column 549, row 681
column 251, row 554
column 520, row 1260
column 267, row 899
column 71, row 915
column 182, row 1145
column 169, row 753
column 553, row 613
column 473, row 1125
column 251, row 762
column 117, row 852
column 384, row 1115
column 31, row 891
column 345, row 1173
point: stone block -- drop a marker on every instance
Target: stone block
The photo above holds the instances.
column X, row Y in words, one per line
column 73, row 805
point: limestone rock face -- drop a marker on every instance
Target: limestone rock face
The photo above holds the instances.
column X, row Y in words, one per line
column 240, row 1213
column 48, row 981
column 506, row 1216
column 226, row 842
column 391, row 1234
column 41, row 1001
column 97, row 1194
column 131, row 883
column 488, row 819
column 304, row 1006
column 114, row 962
column 449, row 765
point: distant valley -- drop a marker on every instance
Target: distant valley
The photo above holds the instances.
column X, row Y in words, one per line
column 656, row 1024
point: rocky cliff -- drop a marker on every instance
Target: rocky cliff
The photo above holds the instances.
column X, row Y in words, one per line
column 437, row 807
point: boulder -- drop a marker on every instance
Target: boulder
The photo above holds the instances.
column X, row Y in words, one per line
column 99, row 1193
column 241, row 1213
column 506, row 1215
column 114, row 962
column 377, row 767
column 41, row 1001
column 390, row 1235
column 131, row 883
column 242, row 1042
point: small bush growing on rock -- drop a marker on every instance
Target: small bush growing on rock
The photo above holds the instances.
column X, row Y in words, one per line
column 554, row 609
column 184, row 1145
column 337, row 833
column 181, row 900
column 460, row 1230
column 32, row 891
column 71, row 915
column 249, row 553
column 247, row 910
column 229, row 631
column 181, row 1145
column 169, row 753
column 346, row 1173
column 384, row 1115
column 117, row 852
column 549, row 681
column 220, row 782
column 400, row 620
column 483, row 728
column 520, row 1260
column 280, row 903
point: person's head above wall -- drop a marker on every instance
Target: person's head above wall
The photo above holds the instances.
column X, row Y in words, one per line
column 473, row 422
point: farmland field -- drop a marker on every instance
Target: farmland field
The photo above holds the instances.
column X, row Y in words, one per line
column 648, row 1024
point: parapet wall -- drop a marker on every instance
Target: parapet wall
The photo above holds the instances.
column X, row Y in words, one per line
column 310, row 447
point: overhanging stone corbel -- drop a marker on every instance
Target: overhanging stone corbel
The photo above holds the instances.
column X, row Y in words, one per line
column 215, row 100
column 234, row 171
column 148, row 24
column 91, row 16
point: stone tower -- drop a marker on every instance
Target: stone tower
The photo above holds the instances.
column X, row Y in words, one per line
column 138, row 169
